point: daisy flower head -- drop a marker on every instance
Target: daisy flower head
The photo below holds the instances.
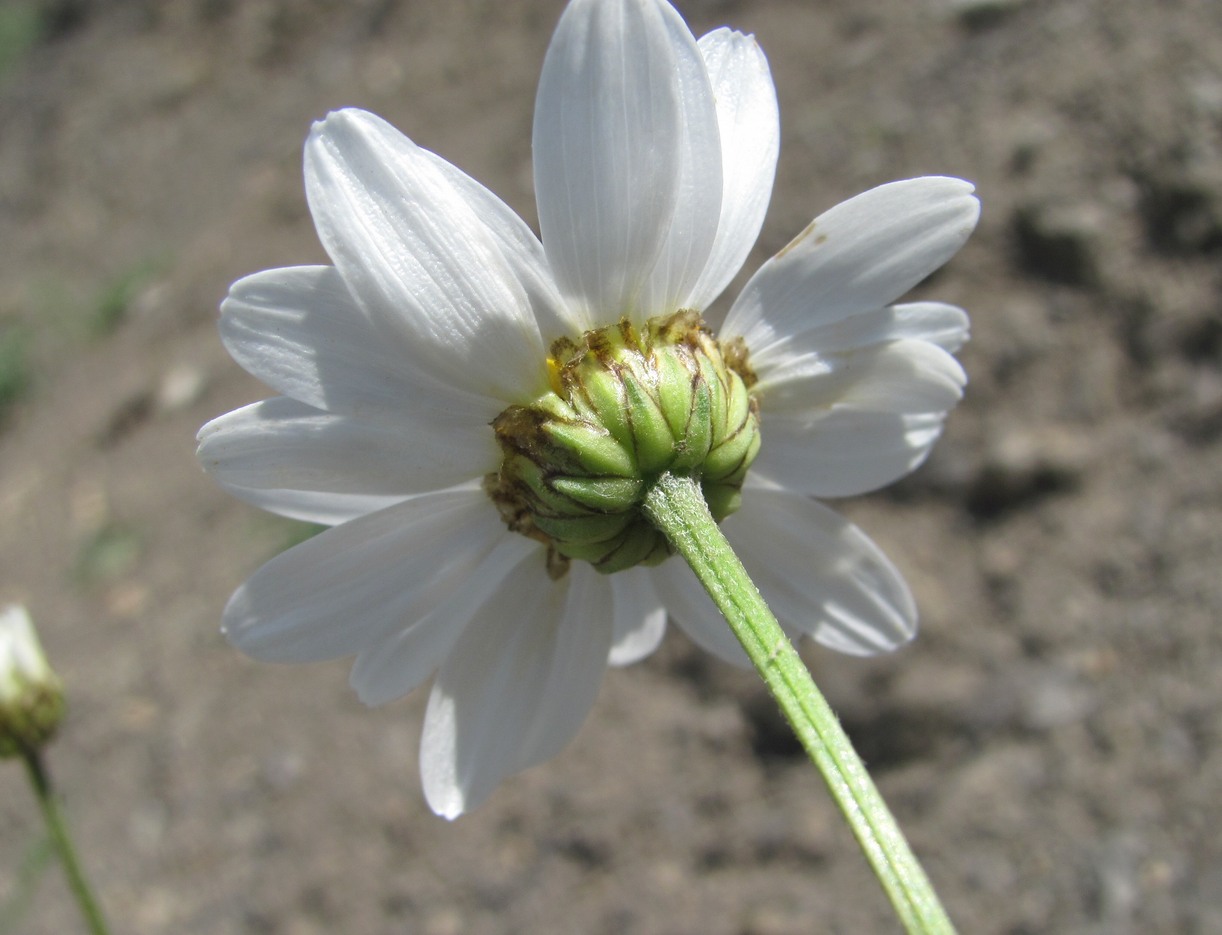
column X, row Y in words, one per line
column 474, row 410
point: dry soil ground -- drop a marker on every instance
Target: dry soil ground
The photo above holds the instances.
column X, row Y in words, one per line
column 1051, row 742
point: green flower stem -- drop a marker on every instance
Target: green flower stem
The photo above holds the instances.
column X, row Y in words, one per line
column 676, row 506
column 58, row 829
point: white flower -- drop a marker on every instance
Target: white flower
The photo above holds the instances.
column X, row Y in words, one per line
column 654, row 162
column 31, row 696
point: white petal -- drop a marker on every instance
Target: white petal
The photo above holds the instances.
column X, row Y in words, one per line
column 356, row 583
column 394, row 666
column 684, row 254
column 945, row 325
column 859, row 256
column 820, row 574
column 24, row 670
column 845, row 452
column 517, row 685
column 905, row 376
column 606, row 150
column 283, row 444
column 693, row 610
column 311, row 506
column 522, row 250
column 420, row 259
column 750, row 131
column 640, row 618
column 301, row 332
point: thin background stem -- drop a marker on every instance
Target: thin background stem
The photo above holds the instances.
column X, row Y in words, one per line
column 675, row 504
column 47, row 800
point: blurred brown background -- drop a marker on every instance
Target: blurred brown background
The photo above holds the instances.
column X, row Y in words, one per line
column 1050, row 742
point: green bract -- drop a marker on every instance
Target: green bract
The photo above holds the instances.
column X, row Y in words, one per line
column 626, row 405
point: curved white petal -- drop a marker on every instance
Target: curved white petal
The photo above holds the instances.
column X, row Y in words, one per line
column 946, row 326
column 516, row 686
column 280, row 443
column 684, row 253
column 694, row 611
column 311, row 506
column 392, row 667
column 301, row 332
column 859, row 256
column 640, row 618
column 906, row 376
column 356, row 583
column 750, row 131
column 522, row 250
column 420, row 259
column 846, row 451
column 606, row 150
column 820, row 574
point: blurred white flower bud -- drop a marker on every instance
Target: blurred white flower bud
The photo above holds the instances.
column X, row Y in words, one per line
column 31, row 695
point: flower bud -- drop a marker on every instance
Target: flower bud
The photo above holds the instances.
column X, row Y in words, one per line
column 626, row 405
column 31, row 696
